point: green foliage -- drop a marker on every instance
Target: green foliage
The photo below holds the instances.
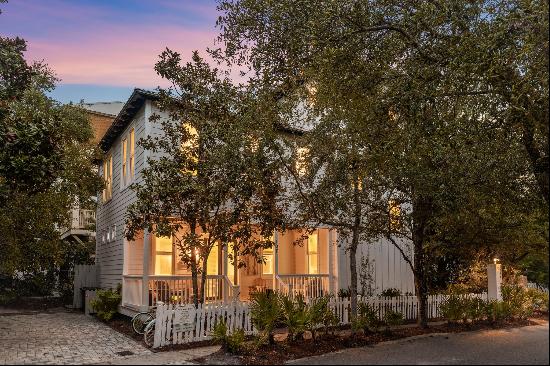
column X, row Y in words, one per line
column 266, row 313
column 367, row 319
column 393, row 318
column 214, row 175
column 391, row 292
column 106, row 303
column 233, row 342
column 344, row 292
column 295, row 316
column 457, row 130
column 453, row 309
column 539, row 299
column 46, row 166
column 517, row 300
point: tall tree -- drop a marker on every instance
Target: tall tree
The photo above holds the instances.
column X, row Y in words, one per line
column 45, row 164
column 402, row 68
column 208, row 181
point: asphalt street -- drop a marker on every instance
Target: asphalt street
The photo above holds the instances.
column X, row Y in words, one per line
column 515, row 346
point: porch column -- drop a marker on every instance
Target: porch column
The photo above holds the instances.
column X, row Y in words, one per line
column 330, row 261
column 146, row 259
column 225, row 272
column 275, row 259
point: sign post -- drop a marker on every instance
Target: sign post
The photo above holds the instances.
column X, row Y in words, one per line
column 494, row 276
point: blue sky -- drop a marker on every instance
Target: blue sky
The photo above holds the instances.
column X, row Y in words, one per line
column 102, row 49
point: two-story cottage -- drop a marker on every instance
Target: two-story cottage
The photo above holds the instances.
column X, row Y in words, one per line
column 149, row 268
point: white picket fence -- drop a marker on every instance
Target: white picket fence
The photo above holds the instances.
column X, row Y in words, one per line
column 237, row 315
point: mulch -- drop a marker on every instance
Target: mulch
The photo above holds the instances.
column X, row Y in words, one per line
column 281, row 352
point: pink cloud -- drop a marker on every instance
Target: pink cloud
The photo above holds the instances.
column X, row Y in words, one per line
column 118, row 56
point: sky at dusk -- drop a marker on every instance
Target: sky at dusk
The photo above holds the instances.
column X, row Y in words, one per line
column 102, row 49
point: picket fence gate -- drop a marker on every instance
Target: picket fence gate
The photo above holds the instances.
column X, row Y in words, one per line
column 236, row 315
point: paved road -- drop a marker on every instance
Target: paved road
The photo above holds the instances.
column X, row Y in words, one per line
column 527, row 346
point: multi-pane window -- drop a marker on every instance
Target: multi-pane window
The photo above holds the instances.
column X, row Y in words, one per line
column 313, row 253
column 163, row 255
column 128, row 158
column 108, row 178
column 124, row 158
column 267, row 268
column 132, row 152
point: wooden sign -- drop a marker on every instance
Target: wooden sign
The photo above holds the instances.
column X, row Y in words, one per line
column 184, row 319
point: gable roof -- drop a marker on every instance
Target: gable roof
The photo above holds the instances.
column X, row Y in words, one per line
column 134, row 104
column 125, row 116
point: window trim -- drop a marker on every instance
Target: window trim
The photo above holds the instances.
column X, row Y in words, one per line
column 107, row 193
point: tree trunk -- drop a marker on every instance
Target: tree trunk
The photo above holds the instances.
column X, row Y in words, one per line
column 422, row 209
column 194, row 271
column 203, row 277
column 420, row 285
column 353, row 269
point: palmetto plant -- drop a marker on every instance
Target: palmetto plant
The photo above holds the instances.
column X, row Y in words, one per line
column 265, row 311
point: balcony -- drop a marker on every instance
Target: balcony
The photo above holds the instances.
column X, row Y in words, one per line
column 82, row 224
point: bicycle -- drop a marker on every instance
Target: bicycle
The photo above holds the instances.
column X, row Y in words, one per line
column 142, row 319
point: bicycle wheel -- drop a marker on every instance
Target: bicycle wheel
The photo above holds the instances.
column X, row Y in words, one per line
column 149, row 333
column 140, row 320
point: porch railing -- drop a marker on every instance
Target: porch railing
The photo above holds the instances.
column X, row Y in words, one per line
column 307, row 285
column 176, row 290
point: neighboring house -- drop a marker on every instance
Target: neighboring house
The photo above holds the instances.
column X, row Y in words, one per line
column 82, row 221
column 149, row 268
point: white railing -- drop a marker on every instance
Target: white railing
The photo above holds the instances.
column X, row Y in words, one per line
column 86, row 218
column 179, row 289
column 307, row 285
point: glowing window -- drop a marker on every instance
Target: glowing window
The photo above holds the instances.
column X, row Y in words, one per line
column 395, row 215
column 301, row 163
column 313, row 254
column 163, row 255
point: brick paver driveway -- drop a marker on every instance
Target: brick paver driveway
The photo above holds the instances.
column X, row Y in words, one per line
column 61, row 338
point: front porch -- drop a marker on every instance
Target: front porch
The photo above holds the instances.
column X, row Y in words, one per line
column 153, row 271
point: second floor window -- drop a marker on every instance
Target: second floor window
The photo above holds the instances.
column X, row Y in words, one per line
column 395, row 215
column 301, row 162
column 108, row 178
column 128, row 158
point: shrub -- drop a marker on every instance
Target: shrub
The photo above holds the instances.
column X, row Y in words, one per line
column 319, row 313
column 266, row 313
column 367, row 318
column 519, row 304
column 232, row 343
column 295, row 316
column 393, row 318
column 391, row 292
column 452, row 309
column 344, row 292
column 497, row 310
column 539, row 299
column 106, row 303
column 474, row 309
